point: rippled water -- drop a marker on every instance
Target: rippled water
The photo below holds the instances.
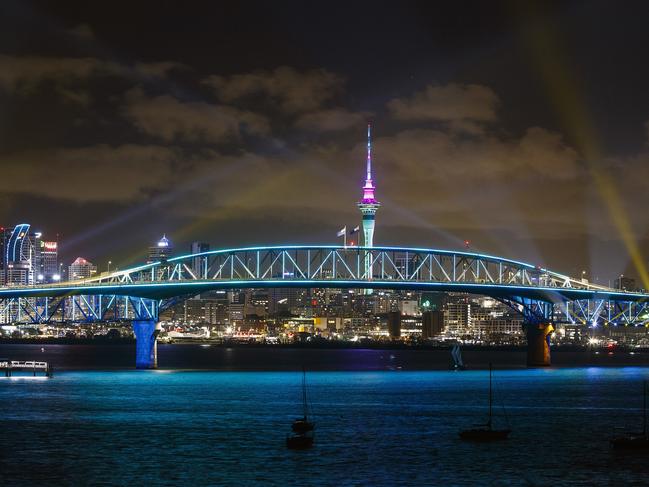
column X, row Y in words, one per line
column 373, row 428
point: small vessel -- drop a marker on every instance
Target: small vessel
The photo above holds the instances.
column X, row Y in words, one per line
column 484, row 433
column 458, row 364
column 302, row 428
column 635, row 441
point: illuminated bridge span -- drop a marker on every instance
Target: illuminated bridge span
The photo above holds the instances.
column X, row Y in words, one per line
column 139, row 294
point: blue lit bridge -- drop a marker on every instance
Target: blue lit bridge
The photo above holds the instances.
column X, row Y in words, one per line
column 139, row 294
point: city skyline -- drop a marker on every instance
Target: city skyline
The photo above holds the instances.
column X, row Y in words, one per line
column 112, row 137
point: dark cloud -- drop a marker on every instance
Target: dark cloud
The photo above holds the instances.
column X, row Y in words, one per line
column 25, row 73
column 96, row 173
column 332, row 120
column 448, row 103
column 291, row 90
column 170, row 119
column 83, row 32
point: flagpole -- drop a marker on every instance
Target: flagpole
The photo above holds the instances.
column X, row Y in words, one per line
column 345, row 239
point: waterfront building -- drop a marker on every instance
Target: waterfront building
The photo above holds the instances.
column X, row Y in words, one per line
column 81, row 269
column 216, row 312
column 394, row 324
column 432, row 324
column 236, row 313
column 411, row 327
column 457, row 316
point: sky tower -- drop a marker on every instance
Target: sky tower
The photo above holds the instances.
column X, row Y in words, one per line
column 368, row 205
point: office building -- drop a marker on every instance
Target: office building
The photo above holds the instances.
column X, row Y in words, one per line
column 160, row 252
column 81, row 269
column 198, row 248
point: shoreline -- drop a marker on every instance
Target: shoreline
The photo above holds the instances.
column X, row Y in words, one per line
column 318, row 345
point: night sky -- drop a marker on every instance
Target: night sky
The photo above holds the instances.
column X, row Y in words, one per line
column 522, row 127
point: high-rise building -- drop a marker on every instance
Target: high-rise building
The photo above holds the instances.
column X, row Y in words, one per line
column 432, row 323
column 161, row 251
column 394, row 324
column 81, row 269
column 457, row 317
column 4, row 236
column 49, row 261
column 19, row 256
column 198, row 248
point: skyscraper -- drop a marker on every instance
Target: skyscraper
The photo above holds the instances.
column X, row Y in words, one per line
column 19, row 256
column 49, row 260
column 198, row 248
column 160, row 252
column 368, row 205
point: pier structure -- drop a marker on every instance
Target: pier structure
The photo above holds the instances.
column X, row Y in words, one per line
column 10, row 366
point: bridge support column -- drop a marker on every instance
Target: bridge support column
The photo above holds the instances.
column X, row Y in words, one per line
column 146, row 345
column 538, row 344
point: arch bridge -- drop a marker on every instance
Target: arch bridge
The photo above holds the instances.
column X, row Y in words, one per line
column 139, row 294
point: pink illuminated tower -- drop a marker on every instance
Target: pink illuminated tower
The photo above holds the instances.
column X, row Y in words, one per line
column 368, row 205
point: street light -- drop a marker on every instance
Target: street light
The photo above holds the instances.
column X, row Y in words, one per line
column 109, row 263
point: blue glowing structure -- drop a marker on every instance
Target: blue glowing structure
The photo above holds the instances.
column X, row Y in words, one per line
column 14, row 251
column 141, row 292
column 146, row 351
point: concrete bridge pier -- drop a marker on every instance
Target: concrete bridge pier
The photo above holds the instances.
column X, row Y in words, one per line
column 146, row 345
column 538, row 343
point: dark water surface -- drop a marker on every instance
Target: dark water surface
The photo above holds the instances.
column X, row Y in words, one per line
column 195, row 356
column 374, row 427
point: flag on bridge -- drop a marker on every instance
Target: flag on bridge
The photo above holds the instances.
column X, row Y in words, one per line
column 342, row 232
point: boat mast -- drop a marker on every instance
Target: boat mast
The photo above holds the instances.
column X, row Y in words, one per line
column 490, row 399
column 304, row 391
column 644, row 408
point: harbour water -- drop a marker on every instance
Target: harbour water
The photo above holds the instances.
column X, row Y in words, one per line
column 381, row 426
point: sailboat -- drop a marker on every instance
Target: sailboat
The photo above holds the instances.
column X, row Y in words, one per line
column 486, row 432
column 302, row 428
column 635, row 441
column 458, row 364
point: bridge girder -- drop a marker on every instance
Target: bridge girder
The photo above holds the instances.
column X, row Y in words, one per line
column 141, row 292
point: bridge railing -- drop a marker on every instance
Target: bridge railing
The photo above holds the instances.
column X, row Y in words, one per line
column 347, row 263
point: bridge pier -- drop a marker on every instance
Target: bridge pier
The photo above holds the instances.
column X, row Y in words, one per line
column 146, row 345
column 538, row 343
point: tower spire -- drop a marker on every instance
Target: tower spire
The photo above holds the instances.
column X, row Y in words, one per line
column 369, row 152
column 368, row 189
